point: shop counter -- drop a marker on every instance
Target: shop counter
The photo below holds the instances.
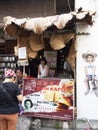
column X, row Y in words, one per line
column 48, row 98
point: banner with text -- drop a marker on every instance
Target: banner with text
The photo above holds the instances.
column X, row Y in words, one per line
column 48, row 98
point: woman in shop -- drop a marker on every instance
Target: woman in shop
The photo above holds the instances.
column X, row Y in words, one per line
column 43, row 69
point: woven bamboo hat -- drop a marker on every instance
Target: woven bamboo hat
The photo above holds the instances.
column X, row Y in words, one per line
column 89, row 53
column 16, row 50
column 23, row 39
column 32, row 55
column 68, row 36
column 11, row 30
column 57, row 41
column 36, row 42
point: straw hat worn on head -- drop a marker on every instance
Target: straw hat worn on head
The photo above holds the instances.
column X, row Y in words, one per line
column 9, row 73
column 89, row 53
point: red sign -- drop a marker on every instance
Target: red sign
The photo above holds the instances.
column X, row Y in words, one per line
column 48, row 98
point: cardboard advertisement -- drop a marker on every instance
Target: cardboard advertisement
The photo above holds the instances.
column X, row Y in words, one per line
column 49, row 98
column 22, row 53
column 87, row 74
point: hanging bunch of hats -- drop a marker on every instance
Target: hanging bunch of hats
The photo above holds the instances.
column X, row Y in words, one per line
column 32, row 42
column 59, row 41
column 36, row 42
column 72, row 54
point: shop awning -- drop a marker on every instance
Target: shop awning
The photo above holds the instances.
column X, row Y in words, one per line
column 30, row 32
column 40, row 24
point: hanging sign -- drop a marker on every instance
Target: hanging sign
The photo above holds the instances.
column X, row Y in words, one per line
column 22, row 53
column 23, row 62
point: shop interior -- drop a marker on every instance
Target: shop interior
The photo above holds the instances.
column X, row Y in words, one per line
column 60, row 70
column 57, row 54
column 32, row 68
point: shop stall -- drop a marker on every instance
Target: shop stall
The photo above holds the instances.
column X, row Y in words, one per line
column 52, row 33
column 55, row 38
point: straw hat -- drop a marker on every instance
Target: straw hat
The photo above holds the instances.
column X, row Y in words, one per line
column 11, row 30
column 57, row 41
column 89, row 53
column 36, row 42
column 23, row 39
column 16, row 50
column 68, row 36
column 32, row 55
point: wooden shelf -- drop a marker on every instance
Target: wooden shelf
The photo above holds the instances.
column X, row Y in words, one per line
column 7, row 61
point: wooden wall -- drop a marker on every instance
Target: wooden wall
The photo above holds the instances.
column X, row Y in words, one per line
column 26, row 8
column 8, row 47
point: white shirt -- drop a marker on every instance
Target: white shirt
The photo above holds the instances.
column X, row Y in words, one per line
column 90, row 68
column 43, row 70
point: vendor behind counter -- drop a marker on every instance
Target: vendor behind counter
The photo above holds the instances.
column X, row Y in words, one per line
column 43, row 69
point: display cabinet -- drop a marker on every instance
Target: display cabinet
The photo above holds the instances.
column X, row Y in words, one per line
column 7, row 61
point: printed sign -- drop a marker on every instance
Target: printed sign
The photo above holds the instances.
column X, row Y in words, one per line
column 22, row 53
column 48, row 98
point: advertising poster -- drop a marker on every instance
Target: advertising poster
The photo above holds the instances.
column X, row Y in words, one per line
column 87, row 75
column 48, row 98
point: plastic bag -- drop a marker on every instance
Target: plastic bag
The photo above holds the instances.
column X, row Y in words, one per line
column 21, row 109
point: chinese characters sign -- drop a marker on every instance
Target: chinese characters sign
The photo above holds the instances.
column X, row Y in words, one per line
column 48, row 98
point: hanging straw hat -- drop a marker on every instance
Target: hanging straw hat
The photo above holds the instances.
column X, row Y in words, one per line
column 23, row 39
column 89, row 53
column 32, row 55
column 68, row 36
column 36, row 42
column 11, row 30
column 57, row 41
column 16, row 50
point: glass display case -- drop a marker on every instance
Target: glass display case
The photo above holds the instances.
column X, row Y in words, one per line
column 7, row 61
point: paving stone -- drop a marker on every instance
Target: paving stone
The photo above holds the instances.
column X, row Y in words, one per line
column 25, row 123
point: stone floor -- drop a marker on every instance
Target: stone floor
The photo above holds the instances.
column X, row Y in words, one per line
column 26, row 123
column 46, row 128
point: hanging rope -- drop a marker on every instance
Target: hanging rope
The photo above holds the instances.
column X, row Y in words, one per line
column 69, row 5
